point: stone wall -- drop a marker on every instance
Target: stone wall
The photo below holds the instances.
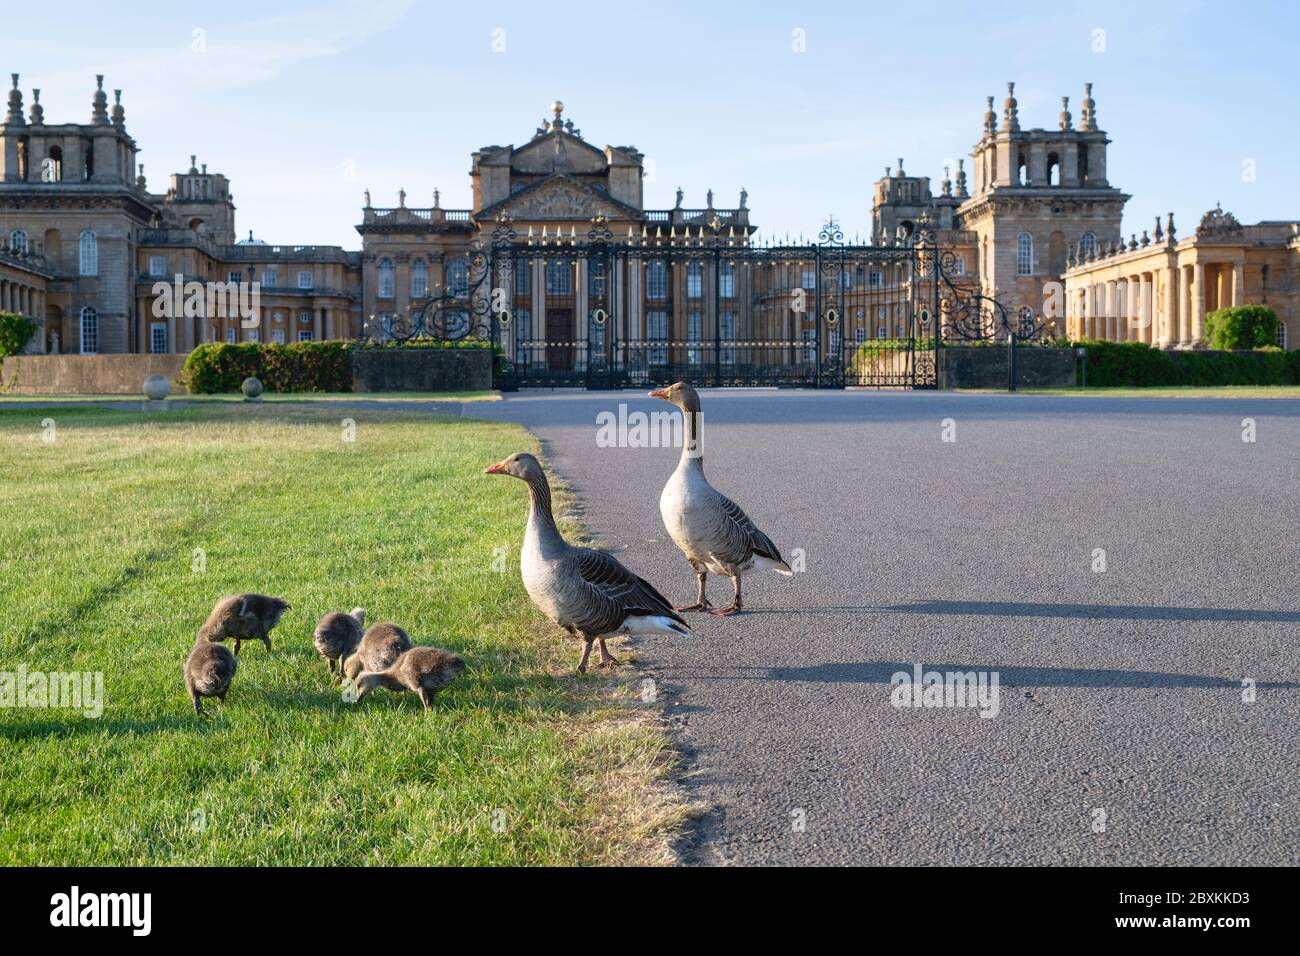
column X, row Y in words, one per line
column 88, row 374
column 422, row 370
column 986, row 367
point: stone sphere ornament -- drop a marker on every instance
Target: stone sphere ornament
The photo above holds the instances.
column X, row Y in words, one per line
column 252, row 389
column 157, row 388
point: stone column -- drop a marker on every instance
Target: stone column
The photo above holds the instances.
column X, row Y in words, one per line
column 318, row 324
column 1197, row 336
column 1143, row 308
column 329, row 324
column 1238, row 282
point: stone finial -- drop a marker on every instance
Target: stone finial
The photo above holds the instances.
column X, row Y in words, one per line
column 1169, row 228
column 15, row 117
column 140, row 180
column 99, row 105
column 1088, row 112
column 900, row 166
column 38, row 111
column 1011, row 110
column 961, row 178
column 119, row 114
column 945, row 184
column 990, row 117
column 1133, row 242
column 1065, row 112
column 1160, row 233
column 194, row 169
column 1146, row 239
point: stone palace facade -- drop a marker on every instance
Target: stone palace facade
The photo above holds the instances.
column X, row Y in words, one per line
column 1034, row 222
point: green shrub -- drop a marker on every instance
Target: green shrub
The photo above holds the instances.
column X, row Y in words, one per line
column 15, row 332
column 1241, row 327
column 299, row 367
column 1134, row 364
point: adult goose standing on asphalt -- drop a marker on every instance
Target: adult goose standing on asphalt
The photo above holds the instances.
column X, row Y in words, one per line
column 338, row 635
column 587, row 592
column 246, row 617
column 711, row 529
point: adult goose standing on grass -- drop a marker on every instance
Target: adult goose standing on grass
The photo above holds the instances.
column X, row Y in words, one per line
column 425, row 670
column 243, row 617
column 208, row 672
column 587, row 592
column 711, row 529
column 378, row 650
column 338, row 635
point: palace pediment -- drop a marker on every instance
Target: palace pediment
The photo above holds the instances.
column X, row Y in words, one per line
column 560, row 198
column 558, row 152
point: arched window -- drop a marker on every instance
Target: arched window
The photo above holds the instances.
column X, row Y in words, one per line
column 458, row 278
column 89, row 253
column 18, row 241
column 1025, row 254
column 656, row 280
column 1022, row 170
column 386, row 280
column 1083, row 164
column 419, row 279
column 89, row 331
column 1087, row 245
column 1053, row 169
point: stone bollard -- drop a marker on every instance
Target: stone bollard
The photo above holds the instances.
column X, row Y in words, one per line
column 156, row 390
column 252, row 389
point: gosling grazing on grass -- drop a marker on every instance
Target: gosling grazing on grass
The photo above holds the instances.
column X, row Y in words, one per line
column 208, row 672
column 338, row 635
column 379, row 649
column 243, row 617
column 425, row 670
column 588, row 593
column 710, row 529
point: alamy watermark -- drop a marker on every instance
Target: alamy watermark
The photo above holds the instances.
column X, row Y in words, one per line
column 54, row 690
column 977, row 690
column 659, row 429
column 196, row 299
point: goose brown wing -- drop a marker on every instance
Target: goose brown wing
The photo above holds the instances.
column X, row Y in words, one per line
column 755, row 541
column 618, row 591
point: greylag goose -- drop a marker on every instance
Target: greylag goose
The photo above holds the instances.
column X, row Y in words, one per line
column 711, row 529
column 588, row 593
column 338, row 636
column 208, row 672
column 425, row 670
column 378, row 650
column 243, row 617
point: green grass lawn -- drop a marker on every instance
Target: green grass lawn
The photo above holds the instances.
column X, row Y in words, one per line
column 119, row 535
column 295, row 397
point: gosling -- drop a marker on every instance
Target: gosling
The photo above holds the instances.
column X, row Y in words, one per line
column 425, row 670
column 378, row 650
column 208, row 672
column 243, row 617
column 338, row 635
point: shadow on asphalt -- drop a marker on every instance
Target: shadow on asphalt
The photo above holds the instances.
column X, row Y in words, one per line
column 1132, row 612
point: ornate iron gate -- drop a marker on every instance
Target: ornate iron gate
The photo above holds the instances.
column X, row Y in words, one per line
column 711, row 309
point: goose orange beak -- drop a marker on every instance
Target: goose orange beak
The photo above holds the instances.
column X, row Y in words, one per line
column 660, row 393
column 498, row 469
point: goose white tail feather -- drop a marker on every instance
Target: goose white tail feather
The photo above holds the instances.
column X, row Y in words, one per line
column 780, row 567
column 653, row 624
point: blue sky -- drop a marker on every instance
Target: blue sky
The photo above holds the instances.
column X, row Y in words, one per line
column 303, row 105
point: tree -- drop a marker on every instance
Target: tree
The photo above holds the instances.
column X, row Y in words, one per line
column 15, row 330
column 1241, row 327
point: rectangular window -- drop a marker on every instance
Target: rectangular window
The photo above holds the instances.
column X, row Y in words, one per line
column 656, row 280
column 694, row 335
column 277, row 336
column 157, row 265
column 305, row 280
column 158, row 338
column 230, row 335
column 727, row 281
column 523, row 322
column 304, row 335
column 596, row 278
column 694, row 280
column 252, row 335
column 559, row 278
column 875, row 279
column 522, row 271
column 727, row 332
column 269, row 279
column 809, row 346
column 657, row 331
column 809, row 281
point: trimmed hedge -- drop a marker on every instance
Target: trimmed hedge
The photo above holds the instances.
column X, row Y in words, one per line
column 297, row 367
column 15, row 332
column 1135, row 364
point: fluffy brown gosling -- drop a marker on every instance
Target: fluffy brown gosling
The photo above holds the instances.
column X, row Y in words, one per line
column 243, row 617
column 208, row 672
column 338, row 635
column 425, row 670
column 378, row 650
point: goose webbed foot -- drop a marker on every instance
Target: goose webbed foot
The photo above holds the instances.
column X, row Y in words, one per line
column 697, row 606
column 734, row 607
column 586, row 653
column 606, row 658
